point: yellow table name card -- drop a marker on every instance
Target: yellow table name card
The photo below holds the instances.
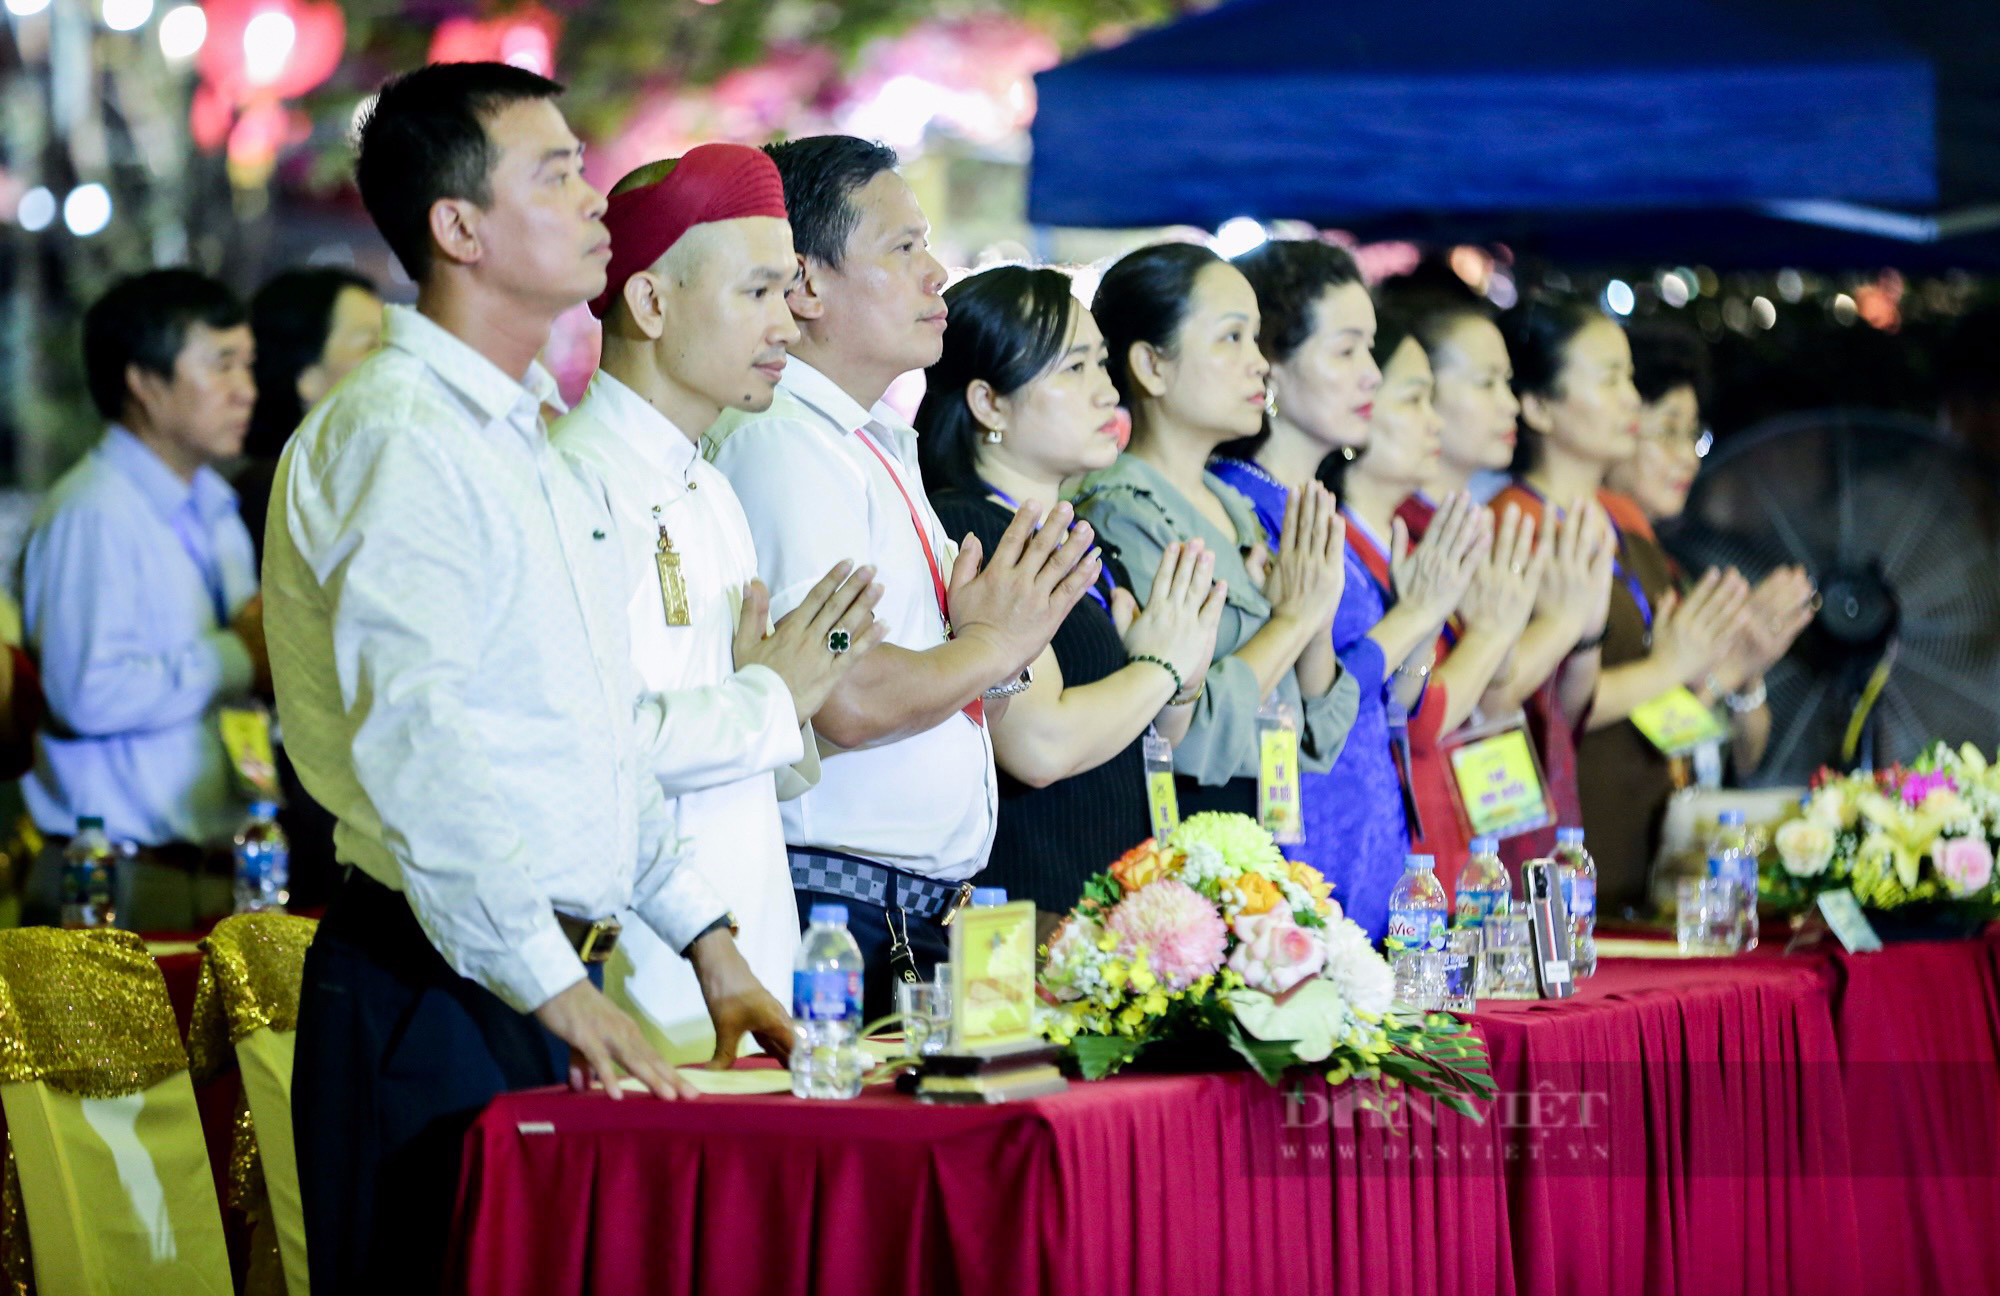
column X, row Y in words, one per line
column 993, row 978
column 1676, row 722
column 1500, row 784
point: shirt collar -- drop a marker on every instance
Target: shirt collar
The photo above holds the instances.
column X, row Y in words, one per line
column 814, row 388
column 633, row 419
column 210, row 495
column 481, row 382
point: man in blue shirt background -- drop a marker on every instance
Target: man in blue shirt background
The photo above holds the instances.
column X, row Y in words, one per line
column 139, row 598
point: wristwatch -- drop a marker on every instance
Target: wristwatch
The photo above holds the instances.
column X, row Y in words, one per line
column 1010, row 688
column 725, row 923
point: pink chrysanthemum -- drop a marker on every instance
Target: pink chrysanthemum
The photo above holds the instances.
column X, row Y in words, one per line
column 1183, row 934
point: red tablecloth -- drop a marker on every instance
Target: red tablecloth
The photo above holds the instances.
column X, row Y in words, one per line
column 1680, row 1126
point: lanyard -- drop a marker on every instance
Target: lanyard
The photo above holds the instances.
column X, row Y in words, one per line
column 1100, row 591
column 1618, row 568
column 975, row 710
column 204, row 564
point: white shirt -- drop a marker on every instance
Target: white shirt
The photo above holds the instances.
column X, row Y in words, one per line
column 712, row 734
column 444, row 602
column 816, row 494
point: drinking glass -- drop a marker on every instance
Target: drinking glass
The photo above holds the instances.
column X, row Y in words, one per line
column 926, row 1010
column 1708, row 916
column 1506, row 960
column 1461, row 969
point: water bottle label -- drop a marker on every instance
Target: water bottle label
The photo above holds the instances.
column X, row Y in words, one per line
column 1475, row 904
column 1734, row 868
column 826, row 995
column 1580, row 896
column 1458, row 974
column 1416, row 929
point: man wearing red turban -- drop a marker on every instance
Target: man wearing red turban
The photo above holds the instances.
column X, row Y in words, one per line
column 695, row 322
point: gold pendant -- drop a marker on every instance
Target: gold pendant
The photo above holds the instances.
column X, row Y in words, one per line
column 673, row 589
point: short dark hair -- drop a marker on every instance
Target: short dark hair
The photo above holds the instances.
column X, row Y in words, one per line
column 1290, row 276
column 1538, row 333
column 821, row 174
column 1144, row 297
column 425, row 139
column 290, row 317
column 1667, row 354
column 143, row 320
column 1008, row 326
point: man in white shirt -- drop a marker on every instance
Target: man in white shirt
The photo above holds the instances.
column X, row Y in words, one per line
column 448, row 641
column 905, row 808
column 140, row 600
column 694, row 321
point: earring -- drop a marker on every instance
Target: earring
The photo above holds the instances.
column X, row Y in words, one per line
column 1348, row 453
column 1271, row 400
column 992, row 436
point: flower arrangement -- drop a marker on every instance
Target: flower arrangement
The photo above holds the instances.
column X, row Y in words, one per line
column 1211, row 935
column 1920, row 837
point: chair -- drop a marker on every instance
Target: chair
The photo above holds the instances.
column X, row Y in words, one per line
column 114, row 1180
column 246, row 1013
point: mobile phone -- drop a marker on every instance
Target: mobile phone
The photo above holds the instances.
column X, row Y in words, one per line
column 1548, row 928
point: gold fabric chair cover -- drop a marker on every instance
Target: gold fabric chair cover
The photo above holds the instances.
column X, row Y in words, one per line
column 246, row 1010
column 114, row 1192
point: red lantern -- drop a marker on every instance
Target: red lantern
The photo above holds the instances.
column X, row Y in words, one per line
column 270, row 49
column 525, row 38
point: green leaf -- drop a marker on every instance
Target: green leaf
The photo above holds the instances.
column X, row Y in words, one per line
column 1269, row 1058
column 1097, row 1056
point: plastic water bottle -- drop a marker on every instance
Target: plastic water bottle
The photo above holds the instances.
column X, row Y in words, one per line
column 1579, row 884
column 826, row 1008
column 1483, row 887
column 1730, row 857
column 263, row 861
column 88, row 865
column 1417, row 913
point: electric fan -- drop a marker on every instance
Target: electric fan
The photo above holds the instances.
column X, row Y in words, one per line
column 1897, row 526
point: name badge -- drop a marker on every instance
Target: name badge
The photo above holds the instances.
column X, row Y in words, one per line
column 246, row 736
column 1676, row 722
column 1163, row 804
column 1498, row 780
column 1278, row 807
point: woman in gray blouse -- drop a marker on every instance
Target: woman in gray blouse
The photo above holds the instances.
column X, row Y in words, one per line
column 1181, row 325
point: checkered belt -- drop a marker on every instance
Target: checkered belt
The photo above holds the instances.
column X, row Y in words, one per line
column 871, row 883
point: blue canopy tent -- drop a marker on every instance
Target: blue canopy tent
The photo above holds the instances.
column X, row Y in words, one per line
column 1731, row 125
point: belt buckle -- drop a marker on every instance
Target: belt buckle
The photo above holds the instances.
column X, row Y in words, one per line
column 599, row 941
column 960, row 898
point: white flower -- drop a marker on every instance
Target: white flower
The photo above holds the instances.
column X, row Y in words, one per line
column 1805, row 847
column 1353, row 965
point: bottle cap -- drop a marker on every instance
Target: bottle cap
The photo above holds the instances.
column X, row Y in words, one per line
column 263, row 809
column 1425, row 862
column 85, row 823
column 830, row 913
column 984, row 896
column 1485, row 845
column 1730, row 818
column 1569, row 836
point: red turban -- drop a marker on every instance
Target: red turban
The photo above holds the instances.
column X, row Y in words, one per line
column 711, row 182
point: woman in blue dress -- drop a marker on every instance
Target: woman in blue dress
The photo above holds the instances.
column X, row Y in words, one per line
column 1317, row 329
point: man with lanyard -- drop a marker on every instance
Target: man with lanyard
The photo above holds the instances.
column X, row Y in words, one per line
column 139, row 595
column 905, row 809
column 694, row 322
column 448, row 635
